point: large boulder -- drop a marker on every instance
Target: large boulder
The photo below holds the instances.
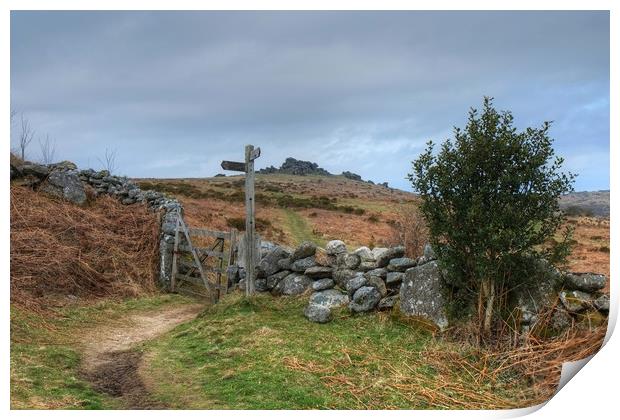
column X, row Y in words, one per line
column 401, row 264
column 33, row 169
column 304, row 250
column 377, row 251
column 421, row 294
column 351, row 261
column 585, row 282
column 330, row 298
column 383, row 258
column 602, row 304
column 365, row 299
column 265, row 246
column 302, row 265
column 322, row 284
column 274, row 279
column 269, row 263
column 355, row 283
column 575, row 300
column 65, row 185
column 335, row 247
column 342, row 276
column 320, row 305
column 318, row 272
column 293, row 284
column 317, row 313
column 364, row 253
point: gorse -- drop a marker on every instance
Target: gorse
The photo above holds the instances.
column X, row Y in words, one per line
column 490, row 199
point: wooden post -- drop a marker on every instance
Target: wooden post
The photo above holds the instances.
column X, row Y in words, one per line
column 250, row 247
column 175, row 252
column 251, row 154
column 231, row 255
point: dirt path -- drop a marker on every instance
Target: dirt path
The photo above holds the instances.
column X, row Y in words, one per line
column 111, row 365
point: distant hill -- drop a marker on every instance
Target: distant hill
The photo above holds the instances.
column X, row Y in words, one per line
column 586, row 203
column 292, row 166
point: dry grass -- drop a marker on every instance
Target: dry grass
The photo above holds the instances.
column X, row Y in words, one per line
column 591, row 249
column 410, row 229
column 541, row 360
column 60, row 249
column 354, row 230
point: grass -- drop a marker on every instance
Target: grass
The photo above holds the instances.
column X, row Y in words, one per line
column 45, row 353
column 298, row 228
column 261, row 353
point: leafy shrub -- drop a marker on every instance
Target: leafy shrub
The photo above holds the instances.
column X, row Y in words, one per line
column 490, row 200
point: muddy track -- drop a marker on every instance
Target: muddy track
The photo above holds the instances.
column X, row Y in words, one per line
column 112, row 365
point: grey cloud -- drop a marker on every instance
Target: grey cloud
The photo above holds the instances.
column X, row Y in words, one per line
column 359, row 91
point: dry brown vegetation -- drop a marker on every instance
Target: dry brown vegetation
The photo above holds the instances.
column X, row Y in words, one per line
column 59, row 249
column 541, row 360
column 331, row 207
column 591, row 247
column 386, row 219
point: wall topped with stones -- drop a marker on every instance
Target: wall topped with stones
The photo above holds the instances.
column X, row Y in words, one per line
column 64, row 180
column 381, row 279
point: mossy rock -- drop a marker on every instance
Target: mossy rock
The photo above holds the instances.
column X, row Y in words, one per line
column 590, row 319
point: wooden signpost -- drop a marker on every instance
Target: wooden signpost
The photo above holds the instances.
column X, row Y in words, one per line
column 251, row 154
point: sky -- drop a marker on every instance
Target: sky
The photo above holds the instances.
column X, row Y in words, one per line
column 175, row 93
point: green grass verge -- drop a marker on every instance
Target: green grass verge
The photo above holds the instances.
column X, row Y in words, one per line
column 261, row 353
column 299, row 229
column 45, row 356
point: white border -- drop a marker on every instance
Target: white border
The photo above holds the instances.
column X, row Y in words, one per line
column 592, row 394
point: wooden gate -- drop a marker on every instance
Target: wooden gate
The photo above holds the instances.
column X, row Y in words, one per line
column 199, row 265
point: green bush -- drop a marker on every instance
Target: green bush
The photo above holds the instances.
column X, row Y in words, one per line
column 490, row 200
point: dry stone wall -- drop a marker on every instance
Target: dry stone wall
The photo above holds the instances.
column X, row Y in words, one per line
column 379, row 279
column 64, row 180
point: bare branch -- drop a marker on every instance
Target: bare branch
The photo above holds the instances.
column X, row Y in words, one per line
column 110, row 160
column 48, row 150
column 25, row 136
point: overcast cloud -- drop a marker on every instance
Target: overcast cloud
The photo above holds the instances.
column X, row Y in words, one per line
column 177, row 92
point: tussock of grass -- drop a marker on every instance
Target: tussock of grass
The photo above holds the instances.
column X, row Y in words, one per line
column 261, row 353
